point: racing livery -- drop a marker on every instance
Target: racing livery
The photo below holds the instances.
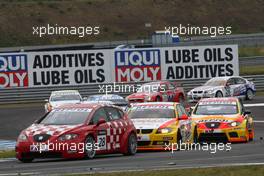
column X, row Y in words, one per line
column 61, row 97
column 158, row 91
column 222, row 119
column 76, row 131
column 161, row 123
column 233, row 86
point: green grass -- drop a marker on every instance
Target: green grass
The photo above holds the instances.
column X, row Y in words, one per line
column 252, row 70
column 7, row 154
column 217, row 171
column 251, row 51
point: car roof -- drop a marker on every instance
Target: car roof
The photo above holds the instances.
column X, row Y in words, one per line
column 65, row 91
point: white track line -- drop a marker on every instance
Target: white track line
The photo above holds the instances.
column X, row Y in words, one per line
column 254, row 105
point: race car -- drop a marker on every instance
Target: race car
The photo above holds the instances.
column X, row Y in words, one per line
column 233, row 86
column 158, row 91
column 77, row 131
column 161, row 123
column 222, row 120
column 111, row 98
column 61, row 97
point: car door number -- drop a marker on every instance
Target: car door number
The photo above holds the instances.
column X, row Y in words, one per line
column 101, row 140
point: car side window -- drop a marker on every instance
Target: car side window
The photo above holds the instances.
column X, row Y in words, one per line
column 113, row 113
column 231, row 81
column 180, row 113
column 240, row 81
column 182, row 109
column 99, row 113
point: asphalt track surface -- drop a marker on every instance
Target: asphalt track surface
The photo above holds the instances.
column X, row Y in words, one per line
column 251, row 153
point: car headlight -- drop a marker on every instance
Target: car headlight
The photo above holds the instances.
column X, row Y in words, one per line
column 147, row 98
column 66, row 137
column 164, row 130
column 189, row 93
column 22, row 137
column 234, row 124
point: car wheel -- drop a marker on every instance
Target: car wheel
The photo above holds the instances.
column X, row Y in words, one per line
column 26, row 160
column 218, row 94
column 249, row 94
column 195, row 136
column 90, row 153
column 158, row 99
column 179, row 139
column 131, row 144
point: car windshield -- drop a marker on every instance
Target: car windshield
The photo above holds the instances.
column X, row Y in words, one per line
column 215, row 82
column 151, row 112
column 66, row 117
column 65, row 97
column 149, row 88
column 216, row 109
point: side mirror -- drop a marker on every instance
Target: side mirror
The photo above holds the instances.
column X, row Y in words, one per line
column 46, row 100
column 100, row 121
column 247, row 112
column 183, row 117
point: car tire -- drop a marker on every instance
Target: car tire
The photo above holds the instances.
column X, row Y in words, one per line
column 195, row 136
column 131, row 145
column 218, row 94
column 249, row 94
column 26, row 160
column 90, row 154
column 179, row 139
column 158, row 99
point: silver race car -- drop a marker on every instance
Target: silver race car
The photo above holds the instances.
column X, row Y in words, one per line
column 61, row 97
column 223, row 87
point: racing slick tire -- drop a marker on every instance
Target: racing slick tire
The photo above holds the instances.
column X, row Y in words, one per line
column 195, row 136
column 158, row 99
column 179, row 139
column 249, row 94
column 90, row 154
column 26, row 160
column 131, row 145
column 218, row 94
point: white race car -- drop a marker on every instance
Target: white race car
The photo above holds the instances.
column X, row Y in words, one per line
column 233, row 86
column 58, row 98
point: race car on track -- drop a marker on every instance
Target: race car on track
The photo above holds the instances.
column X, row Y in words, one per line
column 77, row 131
column 61, row 97
column 222, row 120
column 234, row 86
column 161, row 123
column 158, row 91
column 111, row 98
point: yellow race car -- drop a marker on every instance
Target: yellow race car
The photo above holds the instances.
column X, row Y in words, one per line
column 222, row 120
column 160, row 124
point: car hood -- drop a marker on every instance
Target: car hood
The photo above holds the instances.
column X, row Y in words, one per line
column 49, row 129
column 59, row 103
column 151, row 123
column 203, row 88
column 214, row 118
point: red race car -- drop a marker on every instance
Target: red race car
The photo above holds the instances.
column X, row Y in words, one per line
column 158, row 91
column 76, row 131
